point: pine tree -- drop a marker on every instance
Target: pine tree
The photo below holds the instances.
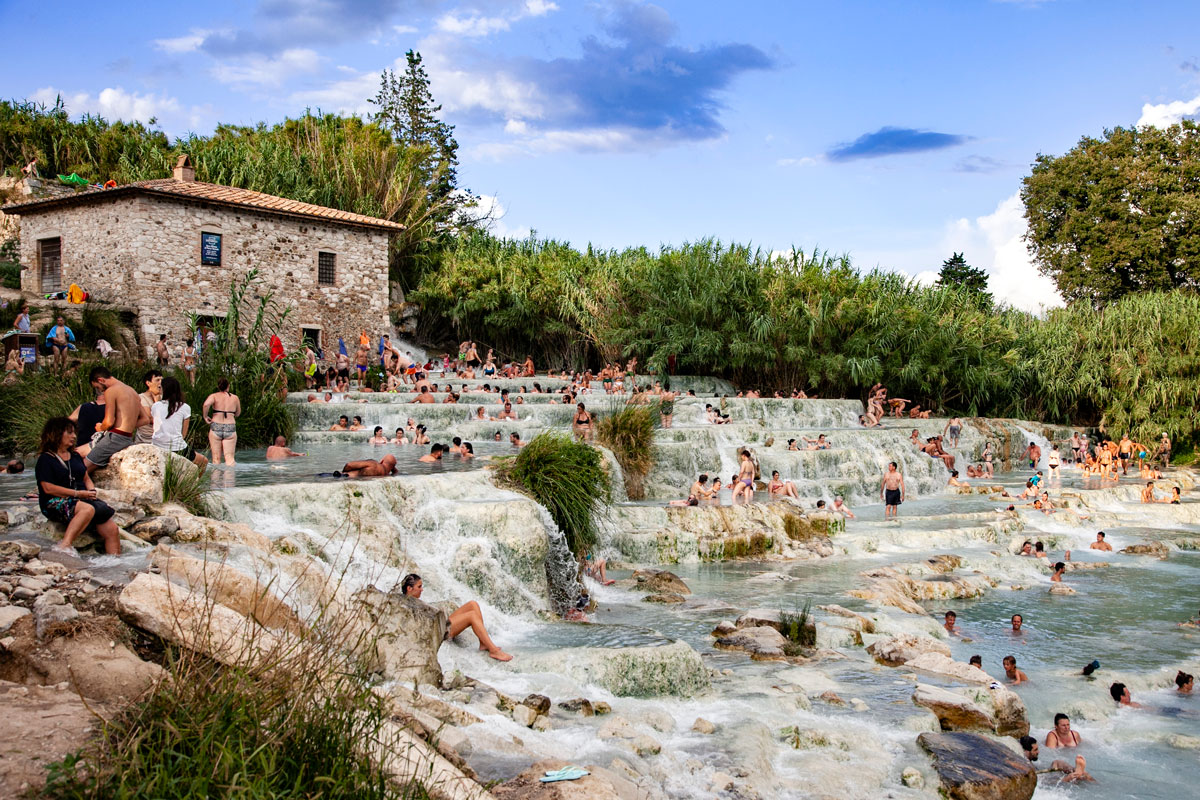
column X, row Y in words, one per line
column 957, row 272
column 407, row 111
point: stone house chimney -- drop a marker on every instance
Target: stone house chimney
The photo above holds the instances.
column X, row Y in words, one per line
column 184, row 171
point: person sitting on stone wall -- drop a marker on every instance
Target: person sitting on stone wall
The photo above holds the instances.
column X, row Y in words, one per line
column 465, row 616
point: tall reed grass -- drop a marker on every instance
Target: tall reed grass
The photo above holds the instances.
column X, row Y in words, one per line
column 629, row 434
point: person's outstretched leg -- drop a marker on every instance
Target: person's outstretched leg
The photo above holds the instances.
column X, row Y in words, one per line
column 469, row 616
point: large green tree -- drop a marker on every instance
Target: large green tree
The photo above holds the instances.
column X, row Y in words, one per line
column 957, row 272
column 1118, row 214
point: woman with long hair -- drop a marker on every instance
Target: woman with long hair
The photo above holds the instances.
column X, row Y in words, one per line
column 66, row 493
column 171, row 418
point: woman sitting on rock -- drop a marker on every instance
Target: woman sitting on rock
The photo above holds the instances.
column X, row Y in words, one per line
column 66, row 493
column 463, row 617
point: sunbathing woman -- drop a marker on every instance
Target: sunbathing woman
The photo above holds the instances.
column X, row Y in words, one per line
column 463, row 617
column 781, row 488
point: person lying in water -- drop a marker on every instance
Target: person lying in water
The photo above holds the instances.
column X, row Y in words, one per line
column 281, row 450
column 369, row 468
column 463, row 617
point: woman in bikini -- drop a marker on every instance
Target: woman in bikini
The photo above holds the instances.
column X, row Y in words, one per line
column 581, row 424
column 190, row 356
column 781, row 488
column 1062, row 735
column 221, row 410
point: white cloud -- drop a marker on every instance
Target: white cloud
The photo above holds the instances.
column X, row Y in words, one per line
column 403, row 29
column 476, row 25
column 994, row 243
column 1164, row 115
column 348, row 96
column 489, row 210
column 183, row 44
column 256, row 70
column 112, row 103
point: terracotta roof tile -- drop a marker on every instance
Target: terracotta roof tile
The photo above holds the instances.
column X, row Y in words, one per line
column 212, row 192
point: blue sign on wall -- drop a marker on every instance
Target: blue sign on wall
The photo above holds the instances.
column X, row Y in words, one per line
column 210, row 249
column 29, row 354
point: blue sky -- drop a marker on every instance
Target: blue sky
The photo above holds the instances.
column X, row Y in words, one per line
column 895, row 131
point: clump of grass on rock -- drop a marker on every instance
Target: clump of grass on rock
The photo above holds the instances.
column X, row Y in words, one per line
column 565, row 476
column 629, row 434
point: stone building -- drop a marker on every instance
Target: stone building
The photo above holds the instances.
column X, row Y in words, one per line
column 172, row 248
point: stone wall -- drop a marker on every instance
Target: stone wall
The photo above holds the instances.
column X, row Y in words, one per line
column 144, row 252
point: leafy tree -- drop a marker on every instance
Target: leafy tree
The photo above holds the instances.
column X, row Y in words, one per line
column 407, row 111
column 1118, row 214
column 957, row 272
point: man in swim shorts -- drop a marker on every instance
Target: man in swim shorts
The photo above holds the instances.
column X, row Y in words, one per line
column 1125, row 452
column 1033, row 453
column 123, row 414
column 891, row 490
column 951, row 431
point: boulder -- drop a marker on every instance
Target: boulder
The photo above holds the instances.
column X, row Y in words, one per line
column 724, row 628
column 757, row 617
column 1155, row 548
column 660, row 582
column 995, row 710
column 944, row 563
column 19, row 548
column 669, row 597
column 523, row 715
column 94, row 666
column 1058, row 588
column 865, row 625
column 701, row 725
column 138, row 471
column 50, row 608
column 973, row 767
column 152, row 529
column 538, row 702
column 954, row 711
column 903, row 647
column 761, row 642
column 646, row 746
column 941, row 665
column 9, row 615
column 228, row 586
column 403, row 635
column 579, row 705
column 191, row 620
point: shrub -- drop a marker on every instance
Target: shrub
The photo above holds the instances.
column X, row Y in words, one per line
column 209, row 732
column 799, row 630
column 629, row 434
column 567, row 478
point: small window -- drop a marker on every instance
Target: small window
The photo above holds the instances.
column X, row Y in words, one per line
column 210, row 249
column 326, row 268
column 311, row 337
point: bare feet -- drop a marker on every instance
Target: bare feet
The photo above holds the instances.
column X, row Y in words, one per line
column 58, row 548
column 499, row 655
column 609, row 582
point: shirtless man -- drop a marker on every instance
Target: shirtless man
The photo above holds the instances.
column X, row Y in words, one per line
column 1100, row 543
column 1148, row 493
column 434, row 454
column 343, row 424
column 1033, row 453
column 162, row 351
column 1059, row 568
column 123, row 414
column 527, row 367
column 507, row 413
column 514, row 439
column 1121, row 695
column 362, row 362
column 744, row 486
column 700, row 489
column 356, row 425
column 950, row 623
column 954, row 481
column 891, row 490
column 1015, row 675
column 1062, row 735
column 1125, row 452
column 280, row 450
column 840, row 507
column 369, row 468
column 1017, row 621
column 951, row 431
column 424, row 396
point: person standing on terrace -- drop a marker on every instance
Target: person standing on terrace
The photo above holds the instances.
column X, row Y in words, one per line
column 891, row 490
